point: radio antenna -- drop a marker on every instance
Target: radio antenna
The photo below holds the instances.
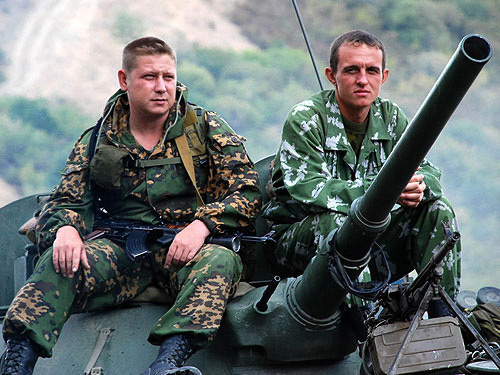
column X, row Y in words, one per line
column 299, row 17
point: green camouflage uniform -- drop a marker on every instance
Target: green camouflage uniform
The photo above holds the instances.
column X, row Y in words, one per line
column 159, row 193
column 317, row 176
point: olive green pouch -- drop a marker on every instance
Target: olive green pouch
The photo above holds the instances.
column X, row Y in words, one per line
column 107, row 166
column 488, row 318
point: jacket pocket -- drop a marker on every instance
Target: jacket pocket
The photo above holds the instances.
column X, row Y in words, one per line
column 231, row 151
column 107, row 166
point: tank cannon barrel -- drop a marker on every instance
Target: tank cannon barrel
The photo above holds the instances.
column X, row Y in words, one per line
column 316, row 294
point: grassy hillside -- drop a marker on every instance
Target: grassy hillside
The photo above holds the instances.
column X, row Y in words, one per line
column 247, row 60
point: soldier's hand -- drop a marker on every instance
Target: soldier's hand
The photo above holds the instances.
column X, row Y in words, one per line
column 68, row 251
column 413, row 193
column 186, row 244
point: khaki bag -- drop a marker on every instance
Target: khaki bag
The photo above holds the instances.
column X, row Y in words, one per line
column 488, row 317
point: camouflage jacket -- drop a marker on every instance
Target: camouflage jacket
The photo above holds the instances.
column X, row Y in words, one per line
column 316, row 169
column 161, row 192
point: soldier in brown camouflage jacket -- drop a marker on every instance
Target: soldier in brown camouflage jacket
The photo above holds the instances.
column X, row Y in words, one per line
column 138, row 174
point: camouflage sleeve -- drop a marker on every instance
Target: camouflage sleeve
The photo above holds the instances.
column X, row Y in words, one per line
column 233, row 194
column 432, row 176
column 70, row 202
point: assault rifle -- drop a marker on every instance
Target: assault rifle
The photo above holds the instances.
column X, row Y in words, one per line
column 138, row 236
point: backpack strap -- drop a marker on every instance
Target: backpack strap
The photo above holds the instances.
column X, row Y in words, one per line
column 187, row 160
column 191, row 118
column 98, row 205
column 93, row 139
column 197, row 136
column 195, row 129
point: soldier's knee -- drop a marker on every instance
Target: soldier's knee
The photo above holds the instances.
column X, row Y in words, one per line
column 445, row 213
column 45, row 261
column 222, row 257
column 444, row 206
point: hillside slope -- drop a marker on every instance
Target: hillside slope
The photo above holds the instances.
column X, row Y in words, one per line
column 71, row 48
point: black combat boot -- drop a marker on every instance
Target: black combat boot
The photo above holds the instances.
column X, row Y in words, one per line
column 174, row 351
column 19, row 357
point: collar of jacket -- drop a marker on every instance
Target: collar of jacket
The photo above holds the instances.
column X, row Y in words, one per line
column 335, row 132
column 173, row 124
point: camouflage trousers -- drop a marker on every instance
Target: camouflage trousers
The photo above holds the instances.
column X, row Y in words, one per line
column 408, row 243
column 201, row 289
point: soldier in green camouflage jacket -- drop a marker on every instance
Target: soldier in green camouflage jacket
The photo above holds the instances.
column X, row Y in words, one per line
column 333, row 145
column 136, row 172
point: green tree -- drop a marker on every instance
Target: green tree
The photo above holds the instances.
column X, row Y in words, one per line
column 36, row 138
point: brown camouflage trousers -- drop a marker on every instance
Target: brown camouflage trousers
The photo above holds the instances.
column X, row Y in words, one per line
column 201, row 290
column 408, row 243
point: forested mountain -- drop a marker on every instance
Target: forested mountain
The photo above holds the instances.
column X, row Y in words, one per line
column 247, row 60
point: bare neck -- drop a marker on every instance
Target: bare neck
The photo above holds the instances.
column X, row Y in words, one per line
column 147, row 132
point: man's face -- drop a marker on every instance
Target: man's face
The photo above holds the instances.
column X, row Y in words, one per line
column 358, row 79
column 151, row 86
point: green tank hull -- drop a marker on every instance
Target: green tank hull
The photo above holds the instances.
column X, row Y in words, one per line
column 126, row 350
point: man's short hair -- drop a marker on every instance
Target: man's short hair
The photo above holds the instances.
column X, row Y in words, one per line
column 146, row 46
column 356, row 37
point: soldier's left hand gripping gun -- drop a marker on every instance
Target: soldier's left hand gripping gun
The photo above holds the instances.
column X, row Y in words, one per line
column 138, row 236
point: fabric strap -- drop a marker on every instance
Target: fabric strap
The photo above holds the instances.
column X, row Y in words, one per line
column 187, row 160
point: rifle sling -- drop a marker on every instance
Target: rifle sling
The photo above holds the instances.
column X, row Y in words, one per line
column 187, row 160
